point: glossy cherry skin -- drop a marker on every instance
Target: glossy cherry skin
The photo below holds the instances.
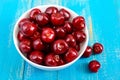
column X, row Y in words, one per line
column 70, row 40
column 25, row 46
column 42, row 19
column 48, row 35
column 51, row 10
column 28, row 29
column 51, row 59
column 61, row 62
column 78, row 23
column 94, row 66
column 87, row 52
column 71, row 55
column 23, row 21
column 97, row 48
column 65, row 13
column 77, row 47
column 34, row 13
column 36, row 35
column 36, row 57
column 60, row 46
column 60, row 32
column 68, row 27
column 80, row 36
column 38, row 44
column 20, row 36
column 57, row 19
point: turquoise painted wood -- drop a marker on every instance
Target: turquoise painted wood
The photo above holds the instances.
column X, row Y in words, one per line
column 103, row 22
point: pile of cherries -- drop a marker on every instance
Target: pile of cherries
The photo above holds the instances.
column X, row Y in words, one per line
column 97, row 48
column 49, row 38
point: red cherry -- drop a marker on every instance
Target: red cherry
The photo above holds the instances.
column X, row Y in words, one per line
column 79, row 36
column 94, row 66
column 71, row 55
column 23, row 21
column 97, row 48
column 42, row 19
column 28, row 29
column 67, row 27
column 35, row 36
column 77, row 47
column 51, row 10
column 48, row 35
column 60, row 46
column 38, row 44
column 65, row 13
column 61, row 62
column 70, row 40
column 20, row 36
column 25, row 46
column 57, row 19
column 60, row 32
column 34, row 13
column 78, row 23
column 57, row 58
column 51, row 31
column 36, row 57
column 51, row 59
column 87, row 52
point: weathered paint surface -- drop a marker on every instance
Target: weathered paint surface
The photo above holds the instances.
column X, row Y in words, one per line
column 103, row 22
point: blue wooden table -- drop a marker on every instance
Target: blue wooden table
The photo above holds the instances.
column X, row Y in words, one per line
column 103, row 21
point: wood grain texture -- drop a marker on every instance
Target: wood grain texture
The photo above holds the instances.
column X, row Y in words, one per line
column 32, row 73
column 103, row 22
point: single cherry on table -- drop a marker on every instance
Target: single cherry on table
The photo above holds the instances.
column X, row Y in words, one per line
column 94, row 66
column 97, row 48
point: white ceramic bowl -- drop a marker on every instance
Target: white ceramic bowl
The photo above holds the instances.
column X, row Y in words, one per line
column 42, row 8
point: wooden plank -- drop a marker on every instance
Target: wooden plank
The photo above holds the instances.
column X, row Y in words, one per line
column 79, row 70
column 98, row 19
column 104, row 28
column 11, row 64
column 32, row 73
column 102, row 19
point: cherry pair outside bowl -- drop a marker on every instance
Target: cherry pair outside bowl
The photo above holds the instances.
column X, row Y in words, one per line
column 43, row 8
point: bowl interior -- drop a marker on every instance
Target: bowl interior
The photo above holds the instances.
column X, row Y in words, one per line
column 42, row 8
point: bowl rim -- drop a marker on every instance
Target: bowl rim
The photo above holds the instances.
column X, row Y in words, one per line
column 42, row 66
